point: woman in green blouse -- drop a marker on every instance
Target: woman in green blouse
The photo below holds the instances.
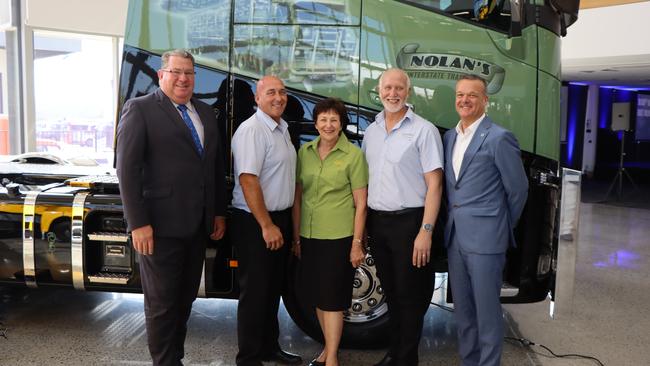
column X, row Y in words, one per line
column 329, row 217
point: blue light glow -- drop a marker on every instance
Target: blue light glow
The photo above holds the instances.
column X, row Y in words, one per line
column 575, row 92
column 604, row 106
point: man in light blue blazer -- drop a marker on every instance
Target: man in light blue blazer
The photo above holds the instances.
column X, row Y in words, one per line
column 486, row 192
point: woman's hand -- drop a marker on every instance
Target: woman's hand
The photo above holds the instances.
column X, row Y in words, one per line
column 357, row 254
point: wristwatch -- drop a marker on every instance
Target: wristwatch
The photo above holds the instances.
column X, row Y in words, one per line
column 428, row 228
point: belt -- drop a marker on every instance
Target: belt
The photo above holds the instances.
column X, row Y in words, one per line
column 404, row 211
column 286, row 211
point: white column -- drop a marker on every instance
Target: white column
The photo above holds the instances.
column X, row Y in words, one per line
column 29, row 112
column 591, row 131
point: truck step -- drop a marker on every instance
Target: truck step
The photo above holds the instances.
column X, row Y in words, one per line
column 109, row 236
column 112, row 278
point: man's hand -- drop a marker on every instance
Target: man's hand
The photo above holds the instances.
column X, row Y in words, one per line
column 295, row 247
column 273, row 237
column 219, row 228
column 422, row 249
column 142, row 239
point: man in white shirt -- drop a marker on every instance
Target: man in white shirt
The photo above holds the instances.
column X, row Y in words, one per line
column 486, row 188
column 265, row 170
column 404, row 154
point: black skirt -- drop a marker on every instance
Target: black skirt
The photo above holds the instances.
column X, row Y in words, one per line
column 327, row 273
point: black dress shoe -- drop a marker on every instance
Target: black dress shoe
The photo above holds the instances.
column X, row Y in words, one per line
column 284, row 358
column 388, row 360
column 315, row 362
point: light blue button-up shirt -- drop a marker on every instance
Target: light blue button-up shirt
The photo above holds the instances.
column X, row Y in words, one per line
column 263, row 148
column 397, row 161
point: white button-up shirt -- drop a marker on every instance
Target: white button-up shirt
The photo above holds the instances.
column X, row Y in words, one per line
column 196, row 120
column 263, row 147
column 463, row 138
column 397, row 161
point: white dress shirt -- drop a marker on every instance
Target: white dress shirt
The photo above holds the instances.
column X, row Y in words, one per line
column 196, row 120
column 463, row 138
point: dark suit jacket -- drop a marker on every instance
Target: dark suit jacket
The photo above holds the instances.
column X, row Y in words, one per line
column 164, row 182
column 485, row 202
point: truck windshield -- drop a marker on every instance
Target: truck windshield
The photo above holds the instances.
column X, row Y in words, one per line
column 490, row 13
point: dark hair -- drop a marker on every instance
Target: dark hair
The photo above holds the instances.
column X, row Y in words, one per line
column 332, row 104
column 473, row 77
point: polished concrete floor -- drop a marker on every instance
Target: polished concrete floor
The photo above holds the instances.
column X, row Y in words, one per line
column 609, row 319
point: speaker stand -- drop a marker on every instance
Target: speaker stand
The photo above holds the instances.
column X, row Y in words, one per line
column 621, row 174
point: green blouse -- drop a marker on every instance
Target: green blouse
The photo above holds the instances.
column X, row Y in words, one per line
column 327, row 210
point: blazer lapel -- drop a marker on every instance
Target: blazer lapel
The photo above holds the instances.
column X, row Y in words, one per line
column 477, row 140
column 449, row 150
column 207, row 127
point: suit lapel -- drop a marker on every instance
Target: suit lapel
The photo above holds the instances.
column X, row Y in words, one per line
column 477, row 140
column 207, row 127
column 449, row 150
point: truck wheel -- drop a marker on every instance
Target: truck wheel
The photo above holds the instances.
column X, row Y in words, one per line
column 365, row 322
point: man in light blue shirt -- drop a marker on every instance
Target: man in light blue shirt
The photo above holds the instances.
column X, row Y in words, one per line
column 265, row 171
column 404, row 154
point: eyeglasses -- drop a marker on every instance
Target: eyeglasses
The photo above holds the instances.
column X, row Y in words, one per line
column 178, row 73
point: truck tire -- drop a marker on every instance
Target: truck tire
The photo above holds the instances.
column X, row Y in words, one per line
column 365, row 322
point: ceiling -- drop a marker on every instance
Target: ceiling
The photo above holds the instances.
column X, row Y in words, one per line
column 608, row 45
column 627, row 70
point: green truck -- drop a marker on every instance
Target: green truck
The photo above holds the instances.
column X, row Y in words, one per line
column 61, row 229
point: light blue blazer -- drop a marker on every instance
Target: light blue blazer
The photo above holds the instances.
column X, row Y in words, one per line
column 485, row 202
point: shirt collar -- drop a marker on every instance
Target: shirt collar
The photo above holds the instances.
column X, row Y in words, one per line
column 341, row 144
column 381, row 118
column 471, row 128
column 270, row 122
column 188, row 105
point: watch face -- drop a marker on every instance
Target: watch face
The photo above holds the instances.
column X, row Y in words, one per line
column 427, row 227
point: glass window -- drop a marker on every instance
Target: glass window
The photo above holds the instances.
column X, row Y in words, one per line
column 9, row 94
column 74, row 95
column 298, row 11
column 491, row 13
column 4, row 103
column 317, row 59
column 201, row 26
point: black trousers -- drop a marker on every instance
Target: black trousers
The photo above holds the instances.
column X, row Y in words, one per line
column 170, row 281
column 408, row 289
column 261, row 279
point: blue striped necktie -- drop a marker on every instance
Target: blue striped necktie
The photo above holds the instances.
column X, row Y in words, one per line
column 190, row 125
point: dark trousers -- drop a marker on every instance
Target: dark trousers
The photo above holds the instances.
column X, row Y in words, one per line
column 408, row 289
column 170, row 281
column 261, row 278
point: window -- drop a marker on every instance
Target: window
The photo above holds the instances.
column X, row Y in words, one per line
column 74, row 95
column 4, row 113
column 496, row 13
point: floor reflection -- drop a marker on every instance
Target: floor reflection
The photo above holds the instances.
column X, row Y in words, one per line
column 62, row 326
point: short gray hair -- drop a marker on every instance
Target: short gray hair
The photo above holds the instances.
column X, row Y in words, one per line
column 177, row 52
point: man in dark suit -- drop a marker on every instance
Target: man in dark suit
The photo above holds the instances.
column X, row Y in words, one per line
column 486, row 192
column 172, row 186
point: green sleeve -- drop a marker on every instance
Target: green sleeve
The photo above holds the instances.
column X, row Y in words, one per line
column 358, row 169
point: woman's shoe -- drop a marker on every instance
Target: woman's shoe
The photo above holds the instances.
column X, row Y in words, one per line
column 315, row 362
